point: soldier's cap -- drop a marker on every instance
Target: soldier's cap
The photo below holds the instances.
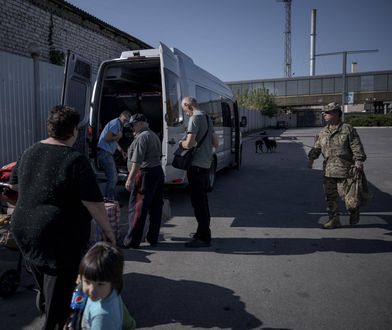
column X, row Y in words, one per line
column 332, row 107
column 137, row 117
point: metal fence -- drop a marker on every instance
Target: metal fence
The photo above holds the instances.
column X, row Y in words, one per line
column 257, row 121
column 21, row 124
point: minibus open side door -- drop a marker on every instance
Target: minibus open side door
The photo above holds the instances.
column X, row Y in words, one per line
column 237, row 137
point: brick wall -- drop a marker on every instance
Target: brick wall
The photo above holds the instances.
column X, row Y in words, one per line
column 57, row 25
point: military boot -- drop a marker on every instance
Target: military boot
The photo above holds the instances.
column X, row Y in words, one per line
column 332, row 223
column 354, row 216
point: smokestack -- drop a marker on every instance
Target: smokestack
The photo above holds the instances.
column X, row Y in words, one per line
column 313, row 42
column 354, row 67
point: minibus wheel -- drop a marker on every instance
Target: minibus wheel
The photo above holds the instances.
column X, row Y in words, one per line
column 211, row 177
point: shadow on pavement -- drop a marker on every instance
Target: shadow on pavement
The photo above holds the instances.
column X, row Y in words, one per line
column 282, row 246
column 162, row 301
column 278, row 190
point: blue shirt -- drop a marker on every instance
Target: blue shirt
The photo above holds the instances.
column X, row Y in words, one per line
column 104, row 314
column 114, row 126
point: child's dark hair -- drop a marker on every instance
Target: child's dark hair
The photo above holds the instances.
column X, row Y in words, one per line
column 62, row 121
column 103, row 263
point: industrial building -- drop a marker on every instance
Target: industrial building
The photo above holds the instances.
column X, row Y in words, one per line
column 367, row 92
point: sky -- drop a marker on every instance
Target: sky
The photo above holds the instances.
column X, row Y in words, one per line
column 244, row 39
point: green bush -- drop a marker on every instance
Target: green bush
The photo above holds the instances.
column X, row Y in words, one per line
column 368, row 120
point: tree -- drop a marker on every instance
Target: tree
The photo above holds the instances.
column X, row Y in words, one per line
column 259, row 100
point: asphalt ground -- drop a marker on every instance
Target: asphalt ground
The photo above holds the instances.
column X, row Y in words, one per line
column 270, row 266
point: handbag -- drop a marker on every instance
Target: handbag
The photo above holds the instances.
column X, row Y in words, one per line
column 183, row 157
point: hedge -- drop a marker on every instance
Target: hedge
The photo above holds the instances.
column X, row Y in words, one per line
column 368, row 120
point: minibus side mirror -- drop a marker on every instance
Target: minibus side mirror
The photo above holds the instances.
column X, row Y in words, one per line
column 244, row 121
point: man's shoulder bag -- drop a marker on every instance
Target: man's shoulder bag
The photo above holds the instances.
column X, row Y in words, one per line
column 183, row 158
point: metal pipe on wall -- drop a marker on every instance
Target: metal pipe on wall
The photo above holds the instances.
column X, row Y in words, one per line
column 35, row 54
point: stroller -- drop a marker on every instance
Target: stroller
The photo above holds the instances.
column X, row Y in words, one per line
column 10, row 279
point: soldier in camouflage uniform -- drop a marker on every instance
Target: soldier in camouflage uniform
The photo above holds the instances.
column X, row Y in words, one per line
column 341, row 147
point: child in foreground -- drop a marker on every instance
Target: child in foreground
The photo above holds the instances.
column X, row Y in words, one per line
column 100, row 277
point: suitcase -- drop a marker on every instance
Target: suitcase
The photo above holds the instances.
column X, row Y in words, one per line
column 113, row 212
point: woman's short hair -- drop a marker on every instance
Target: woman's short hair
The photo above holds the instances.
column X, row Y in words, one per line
column 103, row 263
column 62, row 121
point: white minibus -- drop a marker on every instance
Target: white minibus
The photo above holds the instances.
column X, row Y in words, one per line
column 153, row 82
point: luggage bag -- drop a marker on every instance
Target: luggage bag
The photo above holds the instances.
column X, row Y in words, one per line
column 113, row 212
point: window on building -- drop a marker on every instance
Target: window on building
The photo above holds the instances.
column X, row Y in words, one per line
column 258, row 85
column 280, row 88
column 338, row 84
column 328, row 85
column 292, row 87
column 303, row 87
column 354, row 84
column 269, row 87
column 236, row 88
column 367, row 83
column 390, row 82
column 315, row 86
column 381, row 82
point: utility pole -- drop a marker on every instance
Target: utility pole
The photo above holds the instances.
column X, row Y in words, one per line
column 344, row 83
column 287, row 38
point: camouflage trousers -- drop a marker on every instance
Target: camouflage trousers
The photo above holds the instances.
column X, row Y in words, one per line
column 333, row 189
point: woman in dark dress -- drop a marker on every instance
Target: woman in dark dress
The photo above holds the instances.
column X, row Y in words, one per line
column 58, row 196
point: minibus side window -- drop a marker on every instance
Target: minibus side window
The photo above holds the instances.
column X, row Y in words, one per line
column 173, row 110
column 210, row 103
column 226, row 114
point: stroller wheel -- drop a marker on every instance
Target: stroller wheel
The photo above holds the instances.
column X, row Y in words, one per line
column 9, row 282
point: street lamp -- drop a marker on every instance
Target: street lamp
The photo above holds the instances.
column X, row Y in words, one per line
column 344, row 85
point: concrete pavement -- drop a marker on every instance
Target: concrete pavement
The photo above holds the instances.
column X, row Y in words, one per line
column 271, row 266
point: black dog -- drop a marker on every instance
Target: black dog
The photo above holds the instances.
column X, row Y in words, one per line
column 259, row 145
column 269, row 144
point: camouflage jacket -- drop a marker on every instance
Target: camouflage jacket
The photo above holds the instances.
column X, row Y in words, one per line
column 341, row 147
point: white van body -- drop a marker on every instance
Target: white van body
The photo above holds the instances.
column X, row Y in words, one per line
column 153, row 82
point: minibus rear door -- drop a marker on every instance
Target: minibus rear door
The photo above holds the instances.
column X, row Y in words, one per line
column 172, row 112
column 77, row 89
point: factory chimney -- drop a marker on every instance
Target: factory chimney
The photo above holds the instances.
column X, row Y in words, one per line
column 354, row 67
column 313, row 42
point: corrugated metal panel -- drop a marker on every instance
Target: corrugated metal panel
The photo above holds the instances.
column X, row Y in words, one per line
column 17, row 102
column 254, row 118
